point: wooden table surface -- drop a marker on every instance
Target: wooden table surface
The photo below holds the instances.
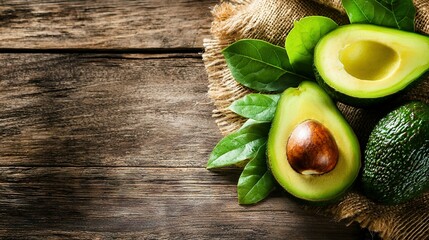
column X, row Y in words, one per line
column 106, row 128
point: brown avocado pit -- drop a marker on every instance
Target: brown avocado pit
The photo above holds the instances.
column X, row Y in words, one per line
column 311, row 149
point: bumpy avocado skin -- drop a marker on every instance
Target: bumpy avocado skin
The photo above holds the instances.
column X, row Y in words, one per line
column 396, row 167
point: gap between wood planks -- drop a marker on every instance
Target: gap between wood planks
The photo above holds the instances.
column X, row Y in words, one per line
column 129, row 54
column 107, row 51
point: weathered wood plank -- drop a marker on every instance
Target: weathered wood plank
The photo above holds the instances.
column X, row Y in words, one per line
column 120, row 142
column 151, row 203
column 124, row 24
column 104, row 110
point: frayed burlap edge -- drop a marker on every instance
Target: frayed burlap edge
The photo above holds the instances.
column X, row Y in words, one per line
column 223, row 89
column 231, row 22
column 405, row 221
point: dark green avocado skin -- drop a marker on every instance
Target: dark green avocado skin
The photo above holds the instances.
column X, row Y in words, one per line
column 396, row 167
column 364, row 102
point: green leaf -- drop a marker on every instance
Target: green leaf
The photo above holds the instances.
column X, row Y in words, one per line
column 256, row 106
column 250, row 122
column 302, row 39
column 260, row 65
column 239, row 146
column 256, row 181
column 398, row 14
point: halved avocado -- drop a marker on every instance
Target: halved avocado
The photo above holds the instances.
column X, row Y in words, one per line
column 361, row 64
column 312, row 151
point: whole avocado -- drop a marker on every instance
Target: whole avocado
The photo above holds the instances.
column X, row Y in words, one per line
column 396, row 167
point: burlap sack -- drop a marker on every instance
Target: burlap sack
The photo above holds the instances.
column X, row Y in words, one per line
column 271, row 20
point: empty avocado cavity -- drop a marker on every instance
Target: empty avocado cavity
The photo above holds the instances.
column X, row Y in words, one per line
column 369, row 60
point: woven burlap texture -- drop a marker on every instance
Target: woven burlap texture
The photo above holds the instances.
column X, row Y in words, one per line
column 271, row 20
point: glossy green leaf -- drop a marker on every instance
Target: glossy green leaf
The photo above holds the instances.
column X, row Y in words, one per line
column 302, row 39
column 398, row 14
column 249, row 122
column 256, row 181
column 260, row 65
column 256, row 106
column 239, row 146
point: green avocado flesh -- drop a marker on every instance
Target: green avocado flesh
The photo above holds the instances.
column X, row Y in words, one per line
column 362, row 64
column 309, row 102
column 396, row 165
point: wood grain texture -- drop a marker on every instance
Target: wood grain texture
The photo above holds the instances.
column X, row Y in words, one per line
column 113, row 24
column 108, row 110
column 103, row 146
column 113, row 146
column 152, row 203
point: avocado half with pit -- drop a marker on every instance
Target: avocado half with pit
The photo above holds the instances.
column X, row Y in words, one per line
column 361, row 64
column 312, row 151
